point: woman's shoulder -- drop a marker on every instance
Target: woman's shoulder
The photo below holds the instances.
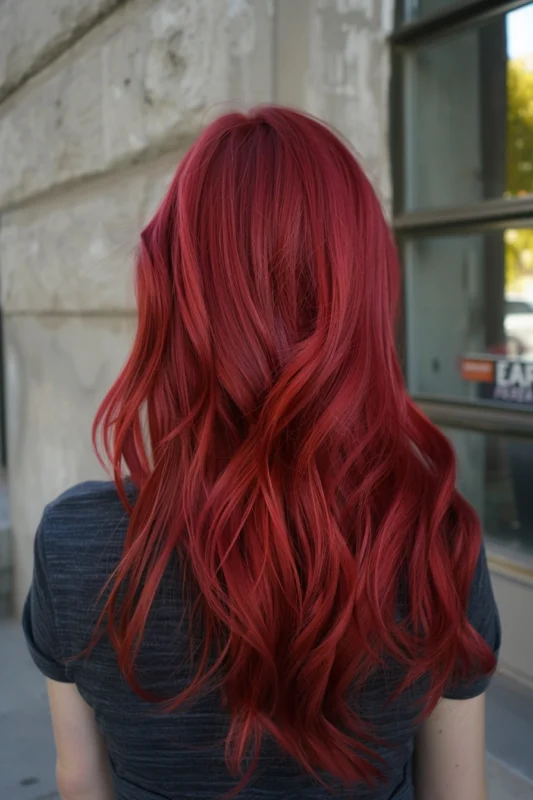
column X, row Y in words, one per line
column 90, row 500
column 88, row 492
column 84, row 518
column 78, row 544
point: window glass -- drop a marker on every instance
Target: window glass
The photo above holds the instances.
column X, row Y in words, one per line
column 413, row 10
column 469, row 316
column 494, row 474
column 469, row 115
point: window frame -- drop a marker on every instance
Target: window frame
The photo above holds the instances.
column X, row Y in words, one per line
column 492, row 214
column 449, row 19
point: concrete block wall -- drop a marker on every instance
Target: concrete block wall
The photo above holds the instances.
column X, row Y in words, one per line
column 98, row 100
column 332, row 58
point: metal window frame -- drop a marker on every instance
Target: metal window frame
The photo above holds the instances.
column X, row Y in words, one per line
column 477, row 416
column 450, row 19
column 491, row 214
column 488, row 215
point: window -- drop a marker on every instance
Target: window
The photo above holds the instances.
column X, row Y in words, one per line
column 468, row 130
column 463, row 212
column 417, row 9
column 464, row 303
column 494, row 474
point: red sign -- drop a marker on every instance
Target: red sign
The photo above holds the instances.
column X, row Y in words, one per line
column 477, row 370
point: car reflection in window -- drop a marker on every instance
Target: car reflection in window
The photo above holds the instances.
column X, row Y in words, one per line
column 519, row 327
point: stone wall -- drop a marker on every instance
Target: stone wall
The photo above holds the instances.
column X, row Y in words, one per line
column 98, row 100
column 332, row 59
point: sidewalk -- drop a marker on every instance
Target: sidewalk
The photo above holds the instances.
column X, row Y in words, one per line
column 510, row 740
column 27, row 748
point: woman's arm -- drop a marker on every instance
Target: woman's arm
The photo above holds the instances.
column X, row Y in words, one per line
column 450, row 752
column 82, row 769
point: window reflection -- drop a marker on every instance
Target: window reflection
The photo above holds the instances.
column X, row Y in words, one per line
column 470, row 316
column 469, row 116
column 494, row 474
column 518, row 320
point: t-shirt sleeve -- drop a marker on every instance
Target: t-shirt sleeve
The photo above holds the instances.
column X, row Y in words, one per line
column 39, row 619
column 484, row 617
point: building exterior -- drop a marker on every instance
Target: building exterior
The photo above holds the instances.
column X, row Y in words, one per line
column 99, row 98
column 462, row 154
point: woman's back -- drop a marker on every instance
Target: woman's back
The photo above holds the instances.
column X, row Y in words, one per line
column 291, row 504
column 181, row 755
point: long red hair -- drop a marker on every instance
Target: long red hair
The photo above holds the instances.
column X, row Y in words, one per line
column 263, row 417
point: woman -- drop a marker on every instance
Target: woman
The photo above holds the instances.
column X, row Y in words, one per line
column 285, row 597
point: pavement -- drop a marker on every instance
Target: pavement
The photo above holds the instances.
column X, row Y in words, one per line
column 27, row 748
column 27, row 756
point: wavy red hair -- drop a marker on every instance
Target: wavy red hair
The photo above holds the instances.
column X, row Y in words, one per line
column 263, row 417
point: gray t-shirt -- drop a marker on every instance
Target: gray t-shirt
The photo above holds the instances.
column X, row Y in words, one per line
column 156, row 756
